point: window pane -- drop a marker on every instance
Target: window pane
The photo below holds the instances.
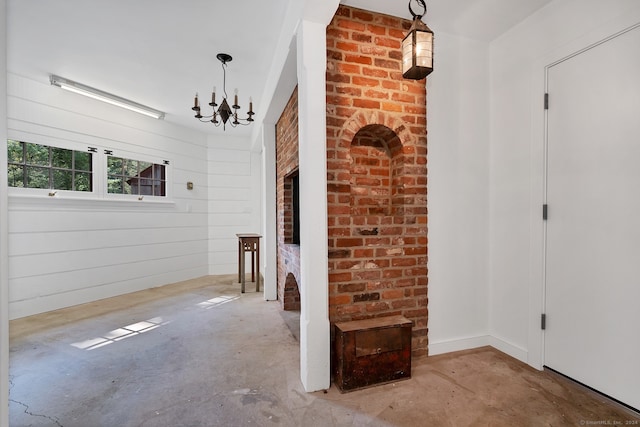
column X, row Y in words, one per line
column 126, row 187
column 37, row 177
column 82, row 161
column 114, row 184
column 61, row 158
column 16, row 176
column 37, row 155
column 158, row 188
column 14, row 151
column 146, row 169
column 62, row 179
column 130, row 167
column 158, row 171
column 146, row 187
column 135, row 177
column 48, row 167
column 82, row 181
column 114, row 166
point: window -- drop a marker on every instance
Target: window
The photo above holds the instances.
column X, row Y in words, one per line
column 137, row 177
column 67, row 169
column 41, row 166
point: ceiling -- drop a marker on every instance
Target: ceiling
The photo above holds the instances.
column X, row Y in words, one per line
column 159, row 53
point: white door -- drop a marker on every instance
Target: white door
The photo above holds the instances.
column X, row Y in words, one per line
column 592, row 300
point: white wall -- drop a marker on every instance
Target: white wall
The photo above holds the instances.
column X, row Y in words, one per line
column 234, row 198
column 4, row 282
column 458, row 194
column 518, row 59
column 64, row 252
column 485, row 136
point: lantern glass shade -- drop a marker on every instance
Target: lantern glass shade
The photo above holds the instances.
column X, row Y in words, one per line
column 417, row 51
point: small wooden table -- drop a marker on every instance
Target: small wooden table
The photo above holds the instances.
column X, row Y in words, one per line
column 249, row 242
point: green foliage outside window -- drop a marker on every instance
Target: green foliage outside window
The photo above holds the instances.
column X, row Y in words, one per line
column 41, row 166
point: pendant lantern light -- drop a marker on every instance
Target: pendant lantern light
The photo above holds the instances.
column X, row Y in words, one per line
column 417, row 47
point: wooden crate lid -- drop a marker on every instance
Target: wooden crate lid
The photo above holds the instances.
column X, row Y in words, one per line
column 377, row 322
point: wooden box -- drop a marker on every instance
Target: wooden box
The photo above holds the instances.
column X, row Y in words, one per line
column 372, row 351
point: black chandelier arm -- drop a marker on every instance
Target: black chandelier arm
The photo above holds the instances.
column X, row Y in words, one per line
column 233, row 123
column 226, row 114
column 421, row 3
column 237, row 122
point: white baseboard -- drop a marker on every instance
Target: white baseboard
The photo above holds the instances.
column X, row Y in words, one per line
column 458, row 344
column 469, row 343
column 512, row 350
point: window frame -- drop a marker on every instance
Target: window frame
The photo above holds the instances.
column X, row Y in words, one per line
column 99, row 190
column 154, row 160
column 51, row 192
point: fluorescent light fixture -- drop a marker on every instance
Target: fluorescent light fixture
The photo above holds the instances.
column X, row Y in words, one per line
column 100, row 95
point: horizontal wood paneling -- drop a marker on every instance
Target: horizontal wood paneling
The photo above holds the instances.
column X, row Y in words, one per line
column 233, row 193
column 223, row 181
column 230, row 168
column 229, row 206
column 224, row 194
column 68, row 241
column 23, row 221
column 56, row 262
column 66, row 252
column 21, row 308
column 67, row 281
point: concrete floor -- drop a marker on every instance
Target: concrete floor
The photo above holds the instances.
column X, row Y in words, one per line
column 199, row 353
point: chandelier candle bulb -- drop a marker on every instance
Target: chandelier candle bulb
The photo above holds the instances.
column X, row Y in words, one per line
column 196, row 106
column 250, row 105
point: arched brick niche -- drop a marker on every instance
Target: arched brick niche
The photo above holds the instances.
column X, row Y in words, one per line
column 376, row 174
column 376, row 168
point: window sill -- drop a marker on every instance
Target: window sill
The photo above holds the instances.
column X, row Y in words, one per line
column 64, row 202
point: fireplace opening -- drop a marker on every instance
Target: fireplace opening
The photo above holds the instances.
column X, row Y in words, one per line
column 292, row 208
column 291, row 294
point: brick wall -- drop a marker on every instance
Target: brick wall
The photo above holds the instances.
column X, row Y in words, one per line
column 288, row 254
column 377, row 174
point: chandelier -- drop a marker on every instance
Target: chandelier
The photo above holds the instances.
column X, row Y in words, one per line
column 225, row 112
column 417, row 47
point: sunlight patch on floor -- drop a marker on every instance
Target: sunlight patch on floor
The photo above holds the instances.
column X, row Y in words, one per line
column 120, row 334
column 215, row 302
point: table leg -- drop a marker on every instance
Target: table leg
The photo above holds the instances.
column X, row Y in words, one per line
column 253, row 263
column 239, row 258
column 242, row 270
column 258, row 266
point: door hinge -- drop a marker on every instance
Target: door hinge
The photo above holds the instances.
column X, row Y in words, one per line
column 543, row 321
column 545, row 211
column 546, row 101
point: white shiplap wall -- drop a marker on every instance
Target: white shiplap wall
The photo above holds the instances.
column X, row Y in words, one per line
column 64, row 252
column 234, row 199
